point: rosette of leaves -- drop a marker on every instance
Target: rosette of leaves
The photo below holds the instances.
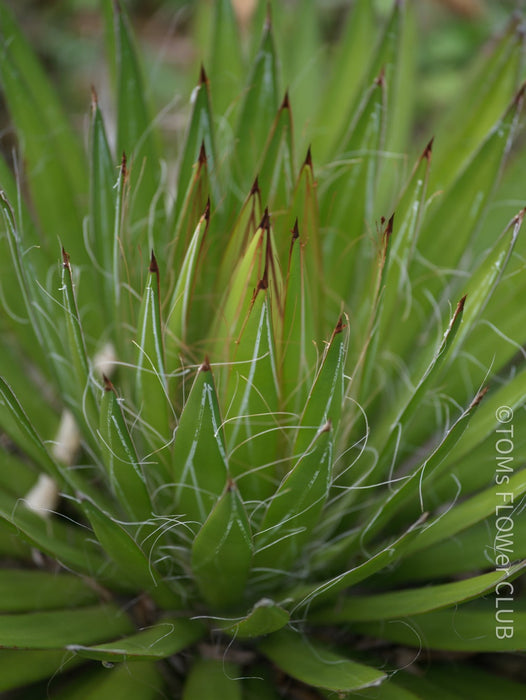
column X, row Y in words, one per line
column 249, row 422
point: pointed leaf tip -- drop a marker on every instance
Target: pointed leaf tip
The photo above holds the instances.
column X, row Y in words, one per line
column 203, row 79
column 108, row 386
column 286, row 102
column 206, row 213
column 255, row 187
column 65, row 258
column 202, row 154
column 154, row 267
column 265, row 221
column 308, row 158
column 295, row 231
column 205, row 367
column 478, row 398
column 428, row 149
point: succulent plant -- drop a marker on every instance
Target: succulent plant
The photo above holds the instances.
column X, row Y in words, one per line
column 261, row 429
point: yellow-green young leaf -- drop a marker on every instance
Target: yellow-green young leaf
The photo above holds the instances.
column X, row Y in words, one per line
column 317, row 665
column 124, row 470
column 213, row 678
column 150, row 379
column 178, row 318
column 297, row 350
column 167, row 637
column 252, row 429
column 225, row 58
column 133, row 562
column 265, row 617
column 276, row 172
column 23, row 591
column 222, row 552
column 408, row 215
column 258, row 263
column 343, row 90
column 57, row 628
column 296, row 507
column 195, row 201
column 367, row 318
column 199, row 136
column 199, row 466
column 414, row 601
column 349, row 195
column 304, row 209
column 241, row 234
column 326, row 395
column 257, row 112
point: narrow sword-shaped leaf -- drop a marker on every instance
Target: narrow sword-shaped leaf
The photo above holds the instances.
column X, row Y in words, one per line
column 23, row 591
column 199, row 466
column 222, row 552
column 167, row 637
column 125, row 474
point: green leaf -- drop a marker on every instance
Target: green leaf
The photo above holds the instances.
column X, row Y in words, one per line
column 23, row 590
column 225, row 58
column 222, row 552
column 134, row 562
column 166, row 638
column 19, row 668
column 252, row 443
column 265, row 617
column 58, row 628
column 140, row 680
column 50, row 147
column 213, row 678
column 199, row 457
column 413, row 601
column 316, row 665
column 296, row 506
column 179, row 316
column 122, row 464
column 150, row 379
column 199, row 140
column 471, row 627
column 257, row 112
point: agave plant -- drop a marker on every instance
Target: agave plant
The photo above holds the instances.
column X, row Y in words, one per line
column 261, row 430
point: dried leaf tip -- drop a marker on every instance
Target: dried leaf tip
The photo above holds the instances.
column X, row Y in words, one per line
column 203, row 79
column 265, row 221
column 327, row 427
column 65, row 258
column 255, row 187
column 428, row 149
column 478, row 398
column 154, row 267
column 108, row 386
column 206, row 213
column 231, row 485
column 308, row 159
column 340, row 326
column 124, row 168
column 202, row 154
column 389, row 228
column 286, row 101
column 94, row 99
column 205, row 367
column 380, row 80
column 295, row 231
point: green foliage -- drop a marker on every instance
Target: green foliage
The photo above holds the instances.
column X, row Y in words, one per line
column 253, row 430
